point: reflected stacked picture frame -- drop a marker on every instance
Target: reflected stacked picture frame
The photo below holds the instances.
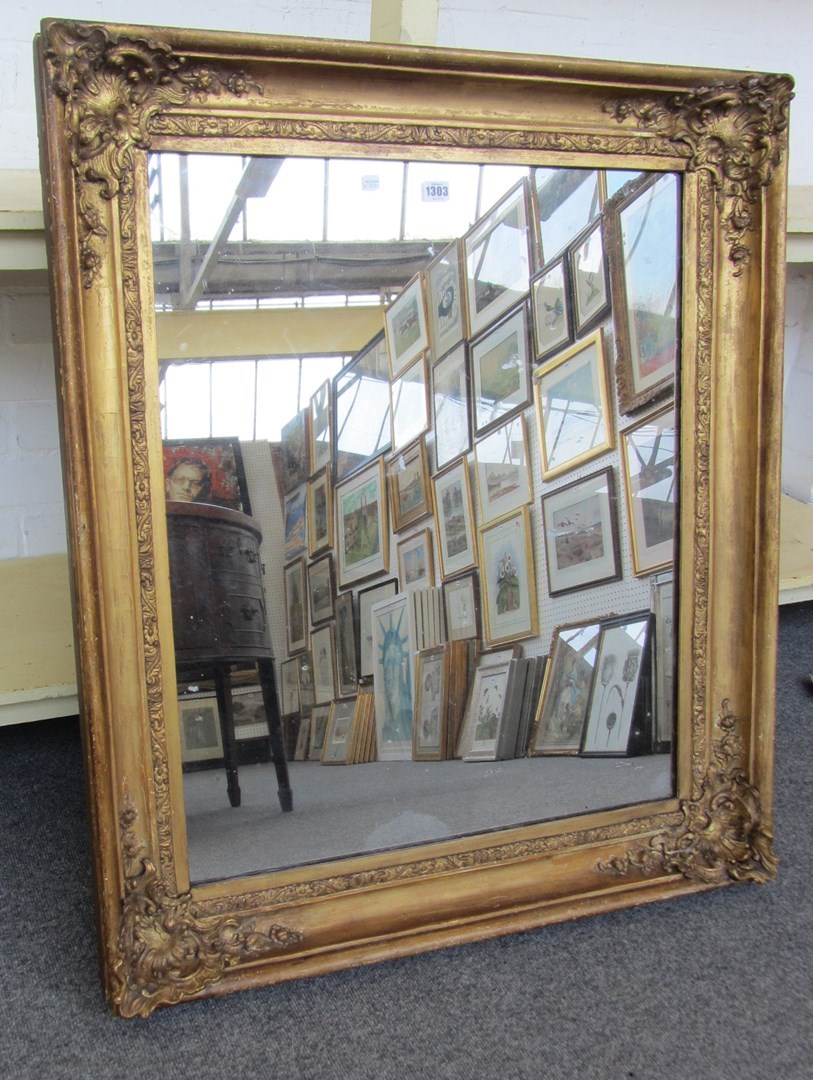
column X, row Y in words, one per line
column 508, row 320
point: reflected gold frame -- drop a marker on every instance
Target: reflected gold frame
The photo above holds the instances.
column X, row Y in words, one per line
column 111, row 94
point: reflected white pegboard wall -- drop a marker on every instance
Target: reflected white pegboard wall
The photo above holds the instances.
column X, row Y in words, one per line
column 266, row 509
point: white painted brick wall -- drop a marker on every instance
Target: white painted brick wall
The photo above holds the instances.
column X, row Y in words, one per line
column 21, row 22
column 32, row 520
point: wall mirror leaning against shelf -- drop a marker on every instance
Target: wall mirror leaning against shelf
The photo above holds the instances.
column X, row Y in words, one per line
column 401, row 438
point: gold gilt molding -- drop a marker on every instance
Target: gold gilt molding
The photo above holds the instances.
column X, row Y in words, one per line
column 112, row 87
column 168, row 950
column 736, row 133
column 395, row 873
column 404, row 134
column 702, row 364
column 142, row 497
column 722, row 836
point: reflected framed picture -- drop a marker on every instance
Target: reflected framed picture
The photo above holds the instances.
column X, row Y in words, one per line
column 621, row 670
column 289, row 687
column 649, row 454
column 345, row 640
column 451, row 417
column 480, row 732
column 567, row 200
column 408, row 481
column 500, row 371
column 431, row 704
column 565, row 694
column 643, row 241
column 201, row 739
column 324, row 665
column 507, row 579
column 393, row 652
column 295, row 517
column 320, row 513
column 551, row 309
column 361, row 409
column 588, row 272
column 367, row 599
column 409, row 404
column 498, row 258
column 502, row 470
column 573, row 407
column 302, row 739
column 416, row 566
column 444, row 280
column 296, row 613
column 321, row 428
column 454, row 520
column 461, row 605
column 295, row 451
column 616, row 179
column 405, row 325
column 580, row 525
column 305, row 669
column 339, row 730
column 663, row 611
column 321, row 589
column 320, row 717
column 362, row 538
column 206, row 471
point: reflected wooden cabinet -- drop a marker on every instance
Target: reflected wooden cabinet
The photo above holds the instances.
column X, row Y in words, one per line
column 219, row 618
column 218, row 607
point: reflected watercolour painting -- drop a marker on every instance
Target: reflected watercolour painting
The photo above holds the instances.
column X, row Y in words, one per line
column 393, row 650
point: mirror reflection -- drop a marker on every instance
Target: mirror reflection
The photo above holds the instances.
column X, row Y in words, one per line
column 420, row 450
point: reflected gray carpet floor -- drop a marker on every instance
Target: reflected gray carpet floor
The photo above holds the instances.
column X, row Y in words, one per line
column 713, row 986
column 389, row 804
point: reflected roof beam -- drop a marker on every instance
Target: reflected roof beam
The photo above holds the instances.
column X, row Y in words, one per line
column 254, row 269
column 257, row 178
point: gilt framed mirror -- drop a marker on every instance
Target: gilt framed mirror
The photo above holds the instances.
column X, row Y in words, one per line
column 230, row 218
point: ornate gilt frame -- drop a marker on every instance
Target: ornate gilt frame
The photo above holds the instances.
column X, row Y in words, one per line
column 111, row 93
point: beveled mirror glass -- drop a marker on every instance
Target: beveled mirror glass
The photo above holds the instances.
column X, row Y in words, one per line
column 248, row 238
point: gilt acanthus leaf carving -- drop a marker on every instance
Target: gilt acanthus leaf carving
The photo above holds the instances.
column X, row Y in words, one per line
column 737, row 133
column 169, row 951
column 112, row 87
column 722, row 835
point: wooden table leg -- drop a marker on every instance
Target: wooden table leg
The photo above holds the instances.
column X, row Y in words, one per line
column 269, row 689
column 224, row 708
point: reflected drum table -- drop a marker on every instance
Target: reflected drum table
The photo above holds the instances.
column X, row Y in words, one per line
column 219, row 619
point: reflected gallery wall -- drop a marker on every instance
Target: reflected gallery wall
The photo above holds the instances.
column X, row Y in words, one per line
column 476, row 512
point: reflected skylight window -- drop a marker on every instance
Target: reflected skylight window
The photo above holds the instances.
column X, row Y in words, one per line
column 165, row 197
column 364, row 200
column 212, row 173
column 232, row 387
column 277, row 396
column 441, row 200
column 187, row 399
column 293, row 209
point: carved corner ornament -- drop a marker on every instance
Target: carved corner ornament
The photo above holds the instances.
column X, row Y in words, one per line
column 112, row 87
column 167, row 950
column 737, row 133
column 722, row 836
